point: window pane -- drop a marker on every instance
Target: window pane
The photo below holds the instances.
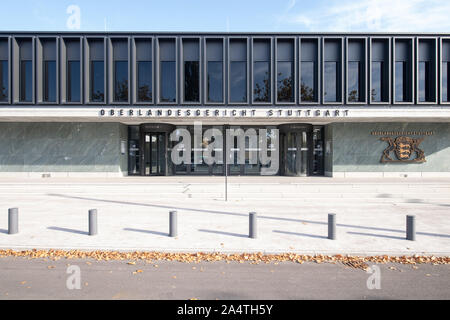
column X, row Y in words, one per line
column 285, row 81
column 50, row 81
column 73, row 84
column 238, row 81
column 26, row 80
column 377, row 75
column 445, row 67
column 144, row 69
column 331, row 81
column 168, row 81
column 399, row 84
column 121, row 81
column 97, row 81
column 191, row 81
column 353, row 81
column 308, row 80
column 424, row 81
column 215, row 81
column 4, row 80
column 261, row 81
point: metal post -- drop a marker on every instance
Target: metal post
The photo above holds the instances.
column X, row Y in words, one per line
column 13, row 221
column 226, row 169
column 332, row 226
column 93, row 230
column 173, row 232
column 411, row 228
column 252, row 225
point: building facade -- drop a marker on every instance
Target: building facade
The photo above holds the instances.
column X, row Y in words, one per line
column 121, row 104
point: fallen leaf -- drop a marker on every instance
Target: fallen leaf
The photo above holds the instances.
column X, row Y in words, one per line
column 131, row 262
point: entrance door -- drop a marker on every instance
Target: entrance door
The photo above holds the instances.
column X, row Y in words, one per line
column 154, row 154
column 296, row 147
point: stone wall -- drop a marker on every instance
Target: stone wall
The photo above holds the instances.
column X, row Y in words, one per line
column 62, row 148
column 358, row 153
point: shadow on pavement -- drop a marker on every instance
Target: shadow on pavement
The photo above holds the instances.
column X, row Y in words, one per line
column 225, row 233
column 68, row 230
column 300, row 234
column 245, row 215
column 147, row 231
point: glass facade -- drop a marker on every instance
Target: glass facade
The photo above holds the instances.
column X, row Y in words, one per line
column 191, row 81
column 120, row 81
column 285, row 78
column 445, row 82
column 97, row 93
column 50, row 81
column 238, row 81
column 424, row 81
column 261, row 81
column 4, row 81
column 144, row 81
column 168, row 81
column 377, row 85
column 308, row 81
column 331, row 81
column 215, row 81
column 73, row 81
column 354, row 81
column 209, row 69
column 26, row 81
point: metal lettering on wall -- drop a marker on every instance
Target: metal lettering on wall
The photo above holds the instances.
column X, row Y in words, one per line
column 404, row 148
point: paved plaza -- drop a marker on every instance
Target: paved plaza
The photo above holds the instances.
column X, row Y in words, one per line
column 133, row 214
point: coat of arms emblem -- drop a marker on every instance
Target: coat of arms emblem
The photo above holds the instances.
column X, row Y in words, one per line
column 404, row 149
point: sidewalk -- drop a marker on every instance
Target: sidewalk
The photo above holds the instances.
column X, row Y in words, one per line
column 133, row 214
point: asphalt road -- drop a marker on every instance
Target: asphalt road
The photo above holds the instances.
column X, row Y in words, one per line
column 21, row 278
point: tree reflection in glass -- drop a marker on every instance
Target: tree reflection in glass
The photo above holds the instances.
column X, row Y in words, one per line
column 284, row 81
column 307, row 84
column 261, row 76
column 121, row 81
column 144, row 69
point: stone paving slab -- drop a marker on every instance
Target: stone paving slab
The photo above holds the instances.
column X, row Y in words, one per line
column 134, row 219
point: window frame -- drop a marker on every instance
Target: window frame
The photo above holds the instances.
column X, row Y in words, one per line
column 441, row 62
column 205, row 71
column 389, row 77
column 16, row 70
column 63, row 83
column 270, row 60
column 200, row 71
column 434, row 68
column 112, row 71
column 87, row 69
column 394, row 61
column 8, row 39
column 364, row 69
column 158, row 70
column 247, row 40
column 134, row 70
column 341, row 66
column 294, row 70
column 319, row 71
column 41, row 72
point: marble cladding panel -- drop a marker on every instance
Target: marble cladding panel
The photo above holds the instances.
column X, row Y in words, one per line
column 356, row 150
column 60, row 147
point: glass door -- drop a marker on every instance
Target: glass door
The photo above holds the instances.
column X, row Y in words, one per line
column 296, row 153
column 154, row 154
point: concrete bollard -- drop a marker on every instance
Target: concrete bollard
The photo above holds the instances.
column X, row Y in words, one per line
column 411, row 228
column 13, row 221
column 332, row 226
column 252, row 217
column 173, row 230
column 93, row 230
